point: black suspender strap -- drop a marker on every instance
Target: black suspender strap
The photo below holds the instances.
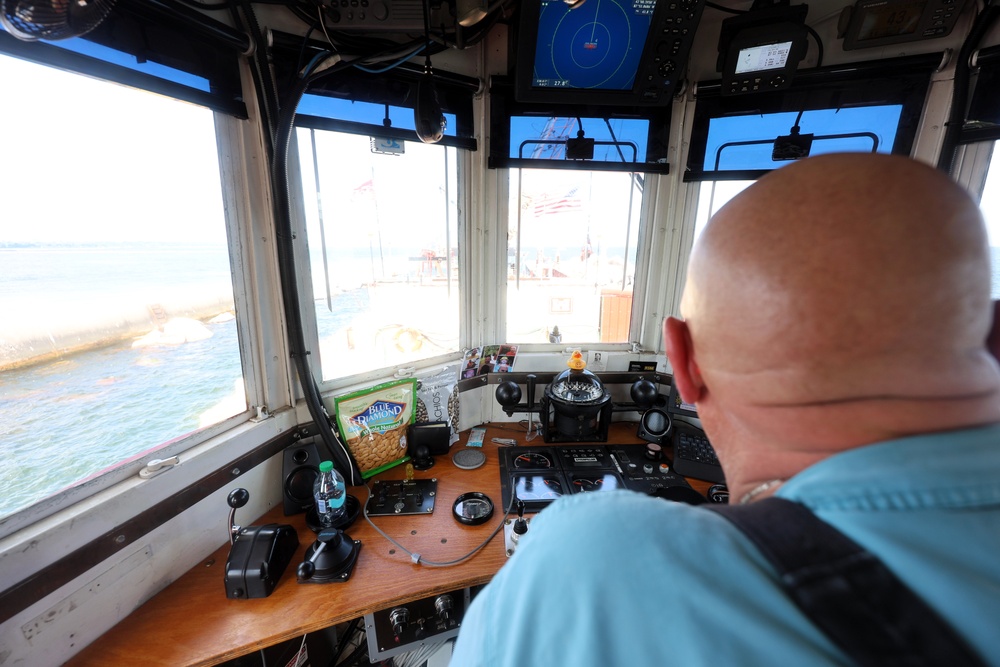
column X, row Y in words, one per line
column 846, row 591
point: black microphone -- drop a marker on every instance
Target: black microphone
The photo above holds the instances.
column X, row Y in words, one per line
column 428, row 118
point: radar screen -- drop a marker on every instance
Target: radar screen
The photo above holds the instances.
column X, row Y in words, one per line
column 591, row 45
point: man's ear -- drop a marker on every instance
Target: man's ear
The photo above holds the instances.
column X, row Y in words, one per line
column 680, row 352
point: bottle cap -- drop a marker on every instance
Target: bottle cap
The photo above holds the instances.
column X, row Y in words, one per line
column 326, row 466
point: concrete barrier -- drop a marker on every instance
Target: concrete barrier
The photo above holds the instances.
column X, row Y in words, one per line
column 48, row 333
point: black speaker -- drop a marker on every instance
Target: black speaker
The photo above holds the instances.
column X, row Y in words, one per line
column 655, row 426
column 300, row 467
column 436, row 435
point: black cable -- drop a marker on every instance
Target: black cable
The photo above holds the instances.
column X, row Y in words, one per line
column 303, row 14
column 207, row 5
column 228, row 4
column 819, row 45
column 725, row 9
column 360, row 652
column 286, row 267
column 302, row 50
column 342, row 644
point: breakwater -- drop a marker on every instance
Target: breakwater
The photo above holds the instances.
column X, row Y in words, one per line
column 45, row 333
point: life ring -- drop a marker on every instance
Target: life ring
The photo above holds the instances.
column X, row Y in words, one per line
column 408, row 340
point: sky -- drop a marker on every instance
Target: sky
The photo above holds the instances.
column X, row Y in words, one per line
column 85, row 161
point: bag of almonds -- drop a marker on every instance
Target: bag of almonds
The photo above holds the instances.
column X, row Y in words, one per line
column 373, row 423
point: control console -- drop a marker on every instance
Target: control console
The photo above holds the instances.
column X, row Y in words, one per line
column 404, row 496
column 406, row 627
column 538, row 475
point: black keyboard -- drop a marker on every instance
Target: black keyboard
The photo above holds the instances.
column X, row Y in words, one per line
column 694, row 457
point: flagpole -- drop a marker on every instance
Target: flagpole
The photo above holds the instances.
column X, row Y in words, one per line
column 322, row 230
column 378, row 229
column 447, row 223
column 517, row 251
column 628, row 226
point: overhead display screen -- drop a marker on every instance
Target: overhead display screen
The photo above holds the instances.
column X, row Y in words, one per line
column 596, row 45
column 764, row 57
column 889, row 20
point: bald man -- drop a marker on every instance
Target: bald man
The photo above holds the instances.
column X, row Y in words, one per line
column 834, row 330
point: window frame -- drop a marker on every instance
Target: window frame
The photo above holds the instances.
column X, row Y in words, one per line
column 304, row 283
column 232, row 146
column 904, row 81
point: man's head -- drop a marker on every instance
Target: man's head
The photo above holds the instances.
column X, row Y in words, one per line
column 838, row 285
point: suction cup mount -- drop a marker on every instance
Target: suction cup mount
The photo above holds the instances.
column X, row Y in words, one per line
column 330, row 559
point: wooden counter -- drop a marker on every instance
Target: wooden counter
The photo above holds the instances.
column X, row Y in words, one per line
column 192, row 622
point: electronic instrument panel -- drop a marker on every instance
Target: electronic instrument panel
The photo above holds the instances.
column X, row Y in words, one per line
column 539, row 475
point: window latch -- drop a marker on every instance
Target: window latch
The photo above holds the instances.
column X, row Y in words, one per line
column 156, row 466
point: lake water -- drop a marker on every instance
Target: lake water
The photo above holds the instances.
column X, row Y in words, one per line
column 65, row 420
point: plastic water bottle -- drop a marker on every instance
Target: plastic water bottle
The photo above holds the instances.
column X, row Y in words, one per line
column 330, row 494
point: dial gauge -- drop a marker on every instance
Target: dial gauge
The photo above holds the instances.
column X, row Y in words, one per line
column 588, row 483
column 537, row 487
column 532, row 460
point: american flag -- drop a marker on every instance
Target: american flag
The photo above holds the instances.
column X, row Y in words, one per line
column 365, row 191
column 548, row 204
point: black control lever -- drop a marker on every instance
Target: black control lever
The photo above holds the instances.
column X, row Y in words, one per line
column 258, row 555
column 237, row 498
column 331, row 558
column 508, row 395
column 520, row 525
column 307, row 568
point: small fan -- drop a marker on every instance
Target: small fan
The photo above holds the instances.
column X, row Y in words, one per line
column 31, row 20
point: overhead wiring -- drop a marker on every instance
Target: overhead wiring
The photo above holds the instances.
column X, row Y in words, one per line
column 725, row 9
column 819, row 44
column 322, row 25
column 402, row 59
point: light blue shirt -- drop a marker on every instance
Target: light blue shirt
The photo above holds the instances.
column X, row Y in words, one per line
column 620, row 579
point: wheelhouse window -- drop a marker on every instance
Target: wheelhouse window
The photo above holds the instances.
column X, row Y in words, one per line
column 382, row 224
column 117, row 335
column 713, row 195
column 990, row 206
column 875, row 110
column 571, row 253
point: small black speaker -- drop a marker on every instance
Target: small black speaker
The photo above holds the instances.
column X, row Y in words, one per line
column 655, row 426
column 300, row 467
column 435, row 435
